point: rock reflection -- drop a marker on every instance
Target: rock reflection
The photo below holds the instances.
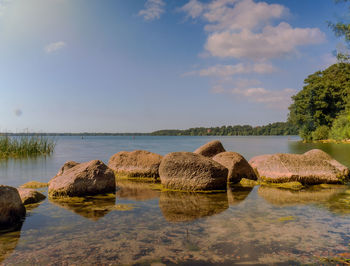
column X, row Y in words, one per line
column 138, row 191
column 94, row 207
column 237, row 194
column 185, row 206
column 8, row 241
column 339, row 203
column 284, row 197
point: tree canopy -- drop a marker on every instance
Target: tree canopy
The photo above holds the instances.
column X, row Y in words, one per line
column 325, row 96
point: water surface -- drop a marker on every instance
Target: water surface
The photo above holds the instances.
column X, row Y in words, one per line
column 143, row 226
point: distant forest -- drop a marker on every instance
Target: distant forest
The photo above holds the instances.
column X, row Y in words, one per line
column 278, row 128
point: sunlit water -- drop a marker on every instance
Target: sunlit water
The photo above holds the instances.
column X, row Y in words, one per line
column 141, row 225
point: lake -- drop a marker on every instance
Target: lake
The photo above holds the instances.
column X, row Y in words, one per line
column 139, row 225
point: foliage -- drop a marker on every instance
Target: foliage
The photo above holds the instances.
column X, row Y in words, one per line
column 341, row 127
column 278, row 128
column 25, row 146
column 320, row 133
column 325, row 95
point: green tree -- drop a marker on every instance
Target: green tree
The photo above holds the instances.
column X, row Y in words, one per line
column 323, row 98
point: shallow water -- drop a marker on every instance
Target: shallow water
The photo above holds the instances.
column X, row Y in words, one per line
column 141, row 225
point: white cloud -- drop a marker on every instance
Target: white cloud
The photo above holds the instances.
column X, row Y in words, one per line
column 55, row 46
column 230, row 70
column 242, row 29
column 276, row 99
column 272, row 42
column 153, row 9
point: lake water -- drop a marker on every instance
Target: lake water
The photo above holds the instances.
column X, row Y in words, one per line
column 140, row 225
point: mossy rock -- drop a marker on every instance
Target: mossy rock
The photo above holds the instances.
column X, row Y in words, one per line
column 34, row 184
column 287, row 185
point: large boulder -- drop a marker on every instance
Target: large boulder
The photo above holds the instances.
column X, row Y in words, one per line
column 312, row 167
column 237, row 166
column 210, row 149
column 65, row 167
column 30, row 196
column 192, row 172
column 84, row 179
column 136, row 163
column 12, row 209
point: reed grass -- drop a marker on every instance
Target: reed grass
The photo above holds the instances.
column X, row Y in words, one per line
column 25, row 146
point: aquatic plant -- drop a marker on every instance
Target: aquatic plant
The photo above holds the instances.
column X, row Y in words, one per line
column 25, row 146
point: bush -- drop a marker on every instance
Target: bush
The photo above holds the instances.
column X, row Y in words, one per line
column 322, row 132
column 341, row 128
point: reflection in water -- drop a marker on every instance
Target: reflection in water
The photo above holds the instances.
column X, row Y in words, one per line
column 284, row 197
column 339, row 203
column 237, row 194
column 139, row 191
column 184, row 206
column 94, row 207
column 8, row 241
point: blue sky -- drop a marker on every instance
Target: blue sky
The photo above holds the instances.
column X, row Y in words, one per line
column 139, row 66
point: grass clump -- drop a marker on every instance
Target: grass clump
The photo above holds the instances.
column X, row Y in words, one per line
column 25, row 146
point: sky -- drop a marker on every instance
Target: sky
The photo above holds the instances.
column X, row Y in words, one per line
column 144, row 65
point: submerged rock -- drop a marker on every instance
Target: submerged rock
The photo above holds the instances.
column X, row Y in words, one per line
column 30, row 196
column 185, row 206
column 12, row 209
column 84, row 179
column 188, row 171
column 8, row 241
column 312, row 167
column 237, row 166
column 210, row 149
column 137, row 163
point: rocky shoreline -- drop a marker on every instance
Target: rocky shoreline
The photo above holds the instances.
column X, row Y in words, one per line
column 208, row 169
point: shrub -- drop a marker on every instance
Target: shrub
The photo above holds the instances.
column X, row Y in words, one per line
column 341, row 128
column 322, row 132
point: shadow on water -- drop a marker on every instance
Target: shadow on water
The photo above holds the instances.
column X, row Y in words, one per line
column 8, row 241
column 183, row 206
column 138, row 191
column 93, row 208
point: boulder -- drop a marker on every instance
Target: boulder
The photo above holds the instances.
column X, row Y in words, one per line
column 312, row 167
column 84, row 179
column 136, row 163
column 210, row 149
column 67, row 165
column 30, row 196
column 186, row 206
column 12, row 209
column 188, row 171
column 237, row 166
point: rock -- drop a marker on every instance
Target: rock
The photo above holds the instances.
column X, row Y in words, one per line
column 237, row 166
column 34, row 184
column 188, row 171
column 136, row 163
column 12, row 210
column 184, row 206
column 312, row 167
column 30, row 196
column 84, row 179
column 210, row 149
column 67, row 165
